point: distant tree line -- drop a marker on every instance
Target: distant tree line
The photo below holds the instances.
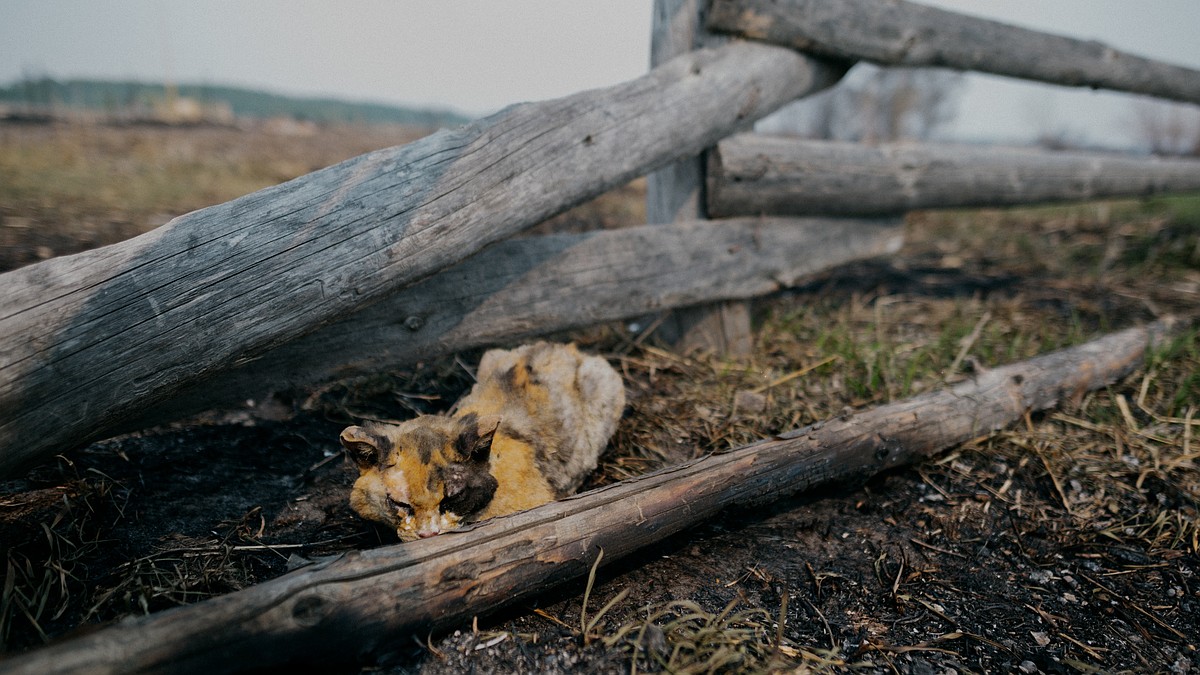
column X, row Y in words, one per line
column 1167, row 128
column 113, row 96
column 873, row 105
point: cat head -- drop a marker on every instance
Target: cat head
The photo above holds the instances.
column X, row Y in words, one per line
column 425, row 476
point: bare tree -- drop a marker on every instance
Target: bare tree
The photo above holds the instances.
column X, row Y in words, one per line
column 1049, row 131
column 1166, row 128
column 874, row 104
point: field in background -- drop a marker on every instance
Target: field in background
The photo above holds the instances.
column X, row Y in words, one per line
column 70, row 187
column 1069, row 543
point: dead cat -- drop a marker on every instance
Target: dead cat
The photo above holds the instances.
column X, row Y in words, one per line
column 529, row 432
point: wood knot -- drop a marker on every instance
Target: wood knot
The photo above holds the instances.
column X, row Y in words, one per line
column 464, row 571
column 750, row 104
column 886, row 447
column 309, row 610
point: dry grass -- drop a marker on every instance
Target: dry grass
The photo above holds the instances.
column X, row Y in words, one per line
column 49, row 536
column 69, row 187
column 814, row 360
column 1113, row 478
column 184, row 570
column 683, row 637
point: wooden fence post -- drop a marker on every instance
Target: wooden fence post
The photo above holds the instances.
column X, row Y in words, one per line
column 676, row 192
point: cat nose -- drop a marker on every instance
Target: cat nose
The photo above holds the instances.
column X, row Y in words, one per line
column 425, row 534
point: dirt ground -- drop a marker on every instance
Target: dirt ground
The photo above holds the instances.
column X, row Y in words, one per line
column 1066, row 544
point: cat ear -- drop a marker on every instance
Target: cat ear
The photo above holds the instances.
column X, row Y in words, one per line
column 475, row 440
column 363, row 447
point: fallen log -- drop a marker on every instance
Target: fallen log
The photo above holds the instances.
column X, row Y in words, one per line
column 359, row 603
column 519, row 288
column 88, row 341
column 899, row 33
column 756, row 174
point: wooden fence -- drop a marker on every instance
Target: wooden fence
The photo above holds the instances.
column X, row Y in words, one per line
column 753, row 175
column 138, row 332
column 409, row 246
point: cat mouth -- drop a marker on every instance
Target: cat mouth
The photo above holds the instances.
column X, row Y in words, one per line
column 409, row 535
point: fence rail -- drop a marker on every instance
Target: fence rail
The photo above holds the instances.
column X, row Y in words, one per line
column 766, row 175
column 525, row 287
column 900, row 33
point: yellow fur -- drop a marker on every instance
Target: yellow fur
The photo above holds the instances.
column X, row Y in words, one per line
column 521, row 486
column 529, row 432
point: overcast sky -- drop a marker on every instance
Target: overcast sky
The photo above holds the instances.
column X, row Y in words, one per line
column 478, row 56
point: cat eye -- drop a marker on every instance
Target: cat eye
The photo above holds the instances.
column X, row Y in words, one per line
column 395, row 505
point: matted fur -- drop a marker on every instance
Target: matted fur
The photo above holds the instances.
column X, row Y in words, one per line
column 530, row 431
column 566, row 405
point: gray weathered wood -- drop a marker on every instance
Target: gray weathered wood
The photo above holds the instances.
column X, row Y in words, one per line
column 754, row 174
column 361, row 603
column 88, row 341
column 895, row 32
column 523, row 287
column 676, row 192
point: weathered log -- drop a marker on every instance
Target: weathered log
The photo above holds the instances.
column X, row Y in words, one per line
column 523, row 287
column 360, row 603
column 908, row 34
column 755, row 174
column 89, row 340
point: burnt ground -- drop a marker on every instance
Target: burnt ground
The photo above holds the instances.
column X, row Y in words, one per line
column 1068, row 543
column 970, row 562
